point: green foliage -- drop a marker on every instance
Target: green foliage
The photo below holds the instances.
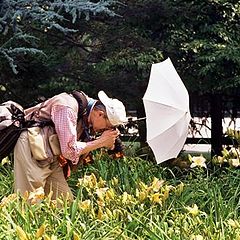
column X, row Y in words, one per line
column 129, row 198
column 208, row 40
column 19, row 20
column 115, row 54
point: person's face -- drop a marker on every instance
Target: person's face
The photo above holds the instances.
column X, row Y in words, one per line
column 100, row 121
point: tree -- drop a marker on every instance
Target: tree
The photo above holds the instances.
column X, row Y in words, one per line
column 207, row 38
column 30, row 30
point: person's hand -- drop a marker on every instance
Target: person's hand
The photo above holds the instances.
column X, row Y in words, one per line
column 108, row 138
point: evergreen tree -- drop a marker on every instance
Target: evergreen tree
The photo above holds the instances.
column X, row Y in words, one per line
column 26, row 27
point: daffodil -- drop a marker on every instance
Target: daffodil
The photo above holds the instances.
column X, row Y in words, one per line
column 142, row 186
column 220, row 160
column 234, row 152
column 100, row 203
column 199, row 161
column 92, row 181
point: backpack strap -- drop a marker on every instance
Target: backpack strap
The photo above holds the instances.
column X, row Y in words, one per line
column 82, row 104
column 82, row 112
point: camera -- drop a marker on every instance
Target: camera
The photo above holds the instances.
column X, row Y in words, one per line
column 117, row 151
column 118, row 147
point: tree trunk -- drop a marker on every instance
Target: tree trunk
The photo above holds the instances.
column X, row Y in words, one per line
column 216, row 120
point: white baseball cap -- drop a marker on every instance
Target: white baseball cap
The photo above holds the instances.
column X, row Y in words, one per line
column 115, row 109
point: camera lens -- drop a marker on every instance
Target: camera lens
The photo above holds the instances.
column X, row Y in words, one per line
column 118, row 147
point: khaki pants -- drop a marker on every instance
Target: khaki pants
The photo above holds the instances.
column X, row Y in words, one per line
column 28, row 175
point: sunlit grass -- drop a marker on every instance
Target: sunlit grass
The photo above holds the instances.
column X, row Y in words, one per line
column 128, row 198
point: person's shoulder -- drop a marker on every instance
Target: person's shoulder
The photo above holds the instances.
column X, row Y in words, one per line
column 65, row 99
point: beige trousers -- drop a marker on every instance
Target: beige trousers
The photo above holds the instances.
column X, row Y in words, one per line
column 28, row 175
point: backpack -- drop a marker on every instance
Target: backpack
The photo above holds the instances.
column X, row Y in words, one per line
column 11, row 125
column 12, row 122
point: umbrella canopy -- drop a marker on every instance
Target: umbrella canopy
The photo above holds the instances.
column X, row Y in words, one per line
column 166, row 103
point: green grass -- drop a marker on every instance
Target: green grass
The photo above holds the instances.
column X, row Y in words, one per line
column 126, row 199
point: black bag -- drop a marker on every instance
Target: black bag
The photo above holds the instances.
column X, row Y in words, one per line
column 11, row 125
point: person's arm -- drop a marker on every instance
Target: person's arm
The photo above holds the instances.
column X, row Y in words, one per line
column 65, row 121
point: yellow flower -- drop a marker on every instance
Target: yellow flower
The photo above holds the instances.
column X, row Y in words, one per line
column 88, row 181
column 124, row 197
column 85, row 205
column 234, row 152
column 198, row 162
column 156, row 198
column 36, row 196
column 5, row 161
column 101, row 193
column 101, row 183
column 156, row 184
column 53, row 237
column 6, row 200
column 197, row 237
column 110, row 194
column 100, row 213
column 40, row 231
column 233, row 223
column 21, row 234
column 220, row 159
column 100, row 203
column 46, row 237
column 143, row 195
column 142, row 186
column 193, row 210
column 115, row 181
column 234, row 162
column 166, row 192
column 108, row 212
column 76, row 236
column 93, row 180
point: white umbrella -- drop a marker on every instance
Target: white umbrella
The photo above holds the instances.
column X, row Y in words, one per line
column 166, row 103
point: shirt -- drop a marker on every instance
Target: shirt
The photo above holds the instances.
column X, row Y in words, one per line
column 65, row 121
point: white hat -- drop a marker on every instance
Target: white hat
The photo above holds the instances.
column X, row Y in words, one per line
column 115, row 109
